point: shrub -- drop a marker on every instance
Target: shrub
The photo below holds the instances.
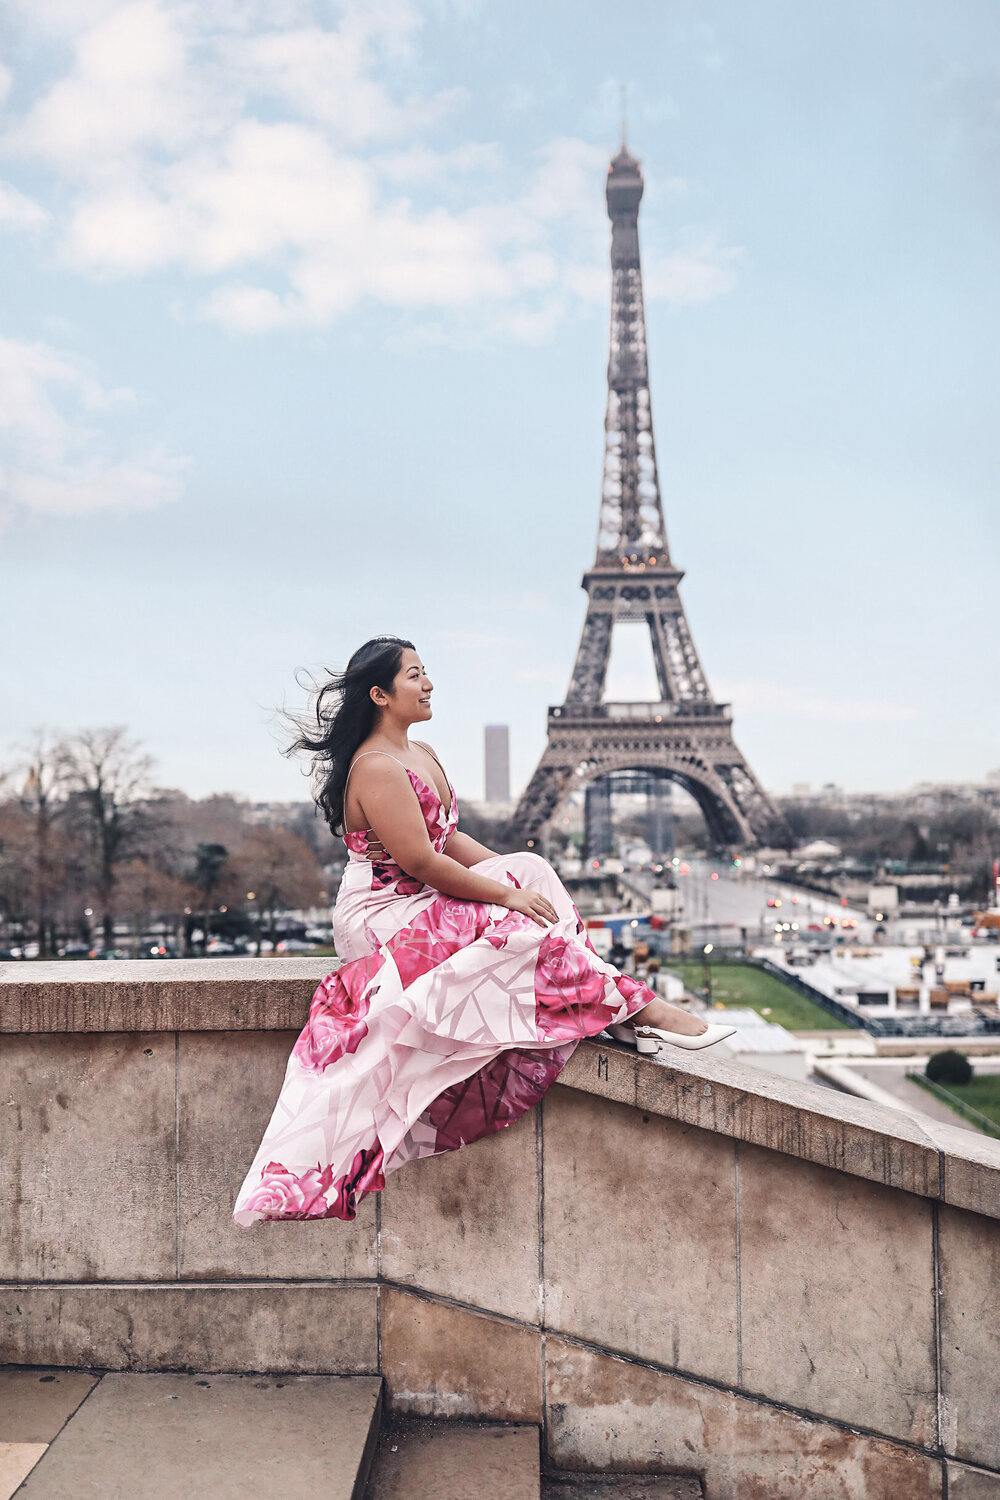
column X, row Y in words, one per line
column 948, row 1067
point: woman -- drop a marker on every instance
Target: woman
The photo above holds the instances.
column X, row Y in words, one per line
column 466, row 979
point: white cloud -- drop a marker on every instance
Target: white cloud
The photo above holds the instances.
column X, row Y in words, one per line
column 58, row 454
column 325, row 76
column 128, row 91
column 18, row 211
column 60, row 18
column 278, row 159
column 568, row 182
column 417, row 164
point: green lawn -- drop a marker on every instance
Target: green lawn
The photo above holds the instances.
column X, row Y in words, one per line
column 982, row 1093
column 742, row 984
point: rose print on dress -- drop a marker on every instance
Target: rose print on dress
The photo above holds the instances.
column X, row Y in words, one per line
column 512, row 921
column 385, row 876
column 569, row 991
column 496, row 1096
column 365, row 1176
column 440, row 930
column 283, row 1195
column 633, row 992
column 336, row 1022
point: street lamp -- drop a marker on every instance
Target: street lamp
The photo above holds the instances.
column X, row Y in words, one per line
column 255, row 918
column 707, row 970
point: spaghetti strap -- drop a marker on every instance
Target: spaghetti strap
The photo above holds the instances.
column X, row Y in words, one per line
column 427, row 747
column 343, row 800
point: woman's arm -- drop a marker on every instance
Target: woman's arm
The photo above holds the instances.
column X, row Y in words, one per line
column 394, row 816
column 468, row 851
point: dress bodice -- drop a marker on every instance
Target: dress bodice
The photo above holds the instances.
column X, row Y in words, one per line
column 439, row 821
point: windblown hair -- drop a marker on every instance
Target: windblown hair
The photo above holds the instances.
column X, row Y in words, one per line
column 344, row 715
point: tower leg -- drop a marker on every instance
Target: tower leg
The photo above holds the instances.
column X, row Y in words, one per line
column 659, row 818
column 597, row 825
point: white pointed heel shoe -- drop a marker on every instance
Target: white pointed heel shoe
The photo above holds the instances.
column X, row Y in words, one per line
column 648, row 1039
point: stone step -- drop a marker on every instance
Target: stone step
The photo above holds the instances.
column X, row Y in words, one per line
column 206, row 1437
column 34, row 1404
column 568, row 1486
column 430, row 1460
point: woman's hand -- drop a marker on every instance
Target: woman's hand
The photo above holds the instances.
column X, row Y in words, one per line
column 532, row 903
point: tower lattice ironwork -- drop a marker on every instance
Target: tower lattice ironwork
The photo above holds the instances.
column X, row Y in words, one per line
column 685, row 736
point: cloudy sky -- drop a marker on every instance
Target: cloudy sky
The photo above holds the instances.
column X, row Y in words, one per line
column 303, row 324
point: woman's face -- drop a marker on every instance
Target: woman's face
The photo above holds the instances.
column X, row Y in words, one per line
column 411, row 688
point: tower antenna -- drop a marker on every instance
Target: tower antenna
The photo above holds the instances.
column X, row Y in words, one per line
column 624, row 98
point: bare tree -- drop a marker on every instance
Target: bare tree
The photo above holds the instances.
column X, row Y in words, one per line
column 282, row 871
column 145, row 893
column 108, row 776
column 40, row 783
column 15, row 869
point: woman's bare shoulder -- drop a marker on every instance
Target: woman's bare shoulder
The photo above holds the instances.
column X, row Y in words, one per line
column 373, row 764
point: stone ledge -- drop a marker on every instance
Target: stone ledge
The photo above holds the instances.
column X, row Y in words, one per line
column 797, row 1119
column 158, row 994
column 804, row 1120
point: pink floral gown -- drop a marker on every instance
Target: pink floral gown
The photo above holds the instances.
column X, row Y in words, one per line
column 446, row 1020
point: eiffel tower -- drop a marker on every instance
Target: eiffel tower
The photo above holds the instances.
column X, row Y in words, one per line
column 685, row 737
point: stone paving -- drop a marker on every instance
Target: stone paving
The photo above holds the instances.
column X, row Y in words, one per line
column 116, row 1436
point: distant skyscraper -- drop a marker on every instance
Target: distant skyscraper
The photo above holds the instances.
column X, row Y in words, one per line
column 497, row 747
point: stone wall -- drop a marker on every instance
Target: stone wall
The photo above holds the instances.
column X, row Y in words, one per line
column 690, row 1266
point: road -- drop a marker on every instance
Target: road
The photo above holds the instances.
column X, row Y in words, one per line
column 741, row 901
column 892, row 1077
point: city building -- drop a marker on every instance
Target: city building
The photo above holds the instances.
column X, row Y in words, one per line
column 496, row 746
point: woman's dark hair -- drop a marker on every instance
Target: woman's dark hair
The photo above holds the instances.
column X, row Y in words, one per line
column 344, row 714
